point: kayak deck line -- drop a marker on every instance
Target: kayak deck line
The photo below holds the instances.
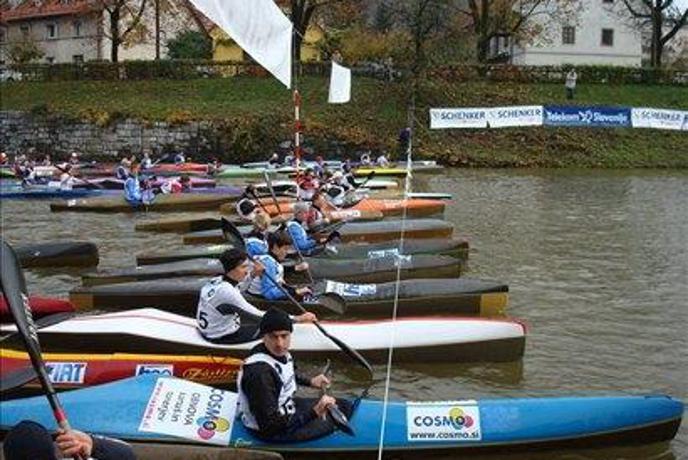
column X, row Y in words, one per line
column 417, row 297
column 379, row 270
column 454, row 247
column 162, row 203
column 48, row 356
column 421, row 339
column 496, row 425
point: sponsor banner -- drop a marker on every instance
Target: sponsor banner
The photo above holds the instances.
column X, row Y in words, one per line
column 608, row 117
column 458, row 118
column 443, row 421
column 645, row 117
column 190, row 410
column 350, row 290
column 66, row 373
column 382, row 253
column 163, row 370
column 522, row 115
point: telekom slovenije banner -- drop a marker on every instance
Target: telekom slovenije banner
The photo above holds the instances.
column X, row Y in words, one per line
column 602, row 117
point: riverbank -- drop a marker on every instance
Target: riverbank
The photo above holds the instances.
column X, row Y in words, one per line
column 245, row 117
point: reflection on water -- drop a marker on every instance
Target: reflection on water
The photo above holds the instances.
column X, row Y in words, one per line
column 597, row 263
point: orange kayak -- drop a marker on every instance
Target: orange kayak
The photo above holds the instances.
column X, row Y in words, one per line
column 414, row 207
column 68, row 371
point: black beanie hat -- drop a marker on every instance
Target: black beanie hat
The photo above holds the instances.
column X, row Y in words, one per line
column 29, row 441
column 232, row 258
column 275, row 320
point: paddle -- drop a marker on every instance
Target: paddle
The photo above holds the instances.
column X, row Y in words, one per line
column 14, row 289
column 85, row 181
column 337, row 416
column 365, row 181
column 43, row 323
column 268, row 182
column 353, row 354
column 332, row 302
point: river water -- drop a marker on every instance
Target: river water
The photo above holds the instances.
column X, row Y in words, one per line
column 597, row 263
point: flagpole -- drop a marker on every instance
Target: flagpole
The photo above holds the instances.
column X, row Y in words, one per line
column 297, row 105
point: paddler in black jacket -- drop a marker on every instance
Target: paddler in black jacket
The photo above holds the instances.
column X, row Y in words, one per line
column 267, row 383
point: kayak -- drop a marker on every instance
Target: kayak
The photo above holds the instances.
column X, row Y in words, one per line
column 390, row 207
column 229, row 172
column 111, row 183
column 7, row 173
column 133, row 410
column 70, row 371
column 377, row 270
column 191, row 224
column 172, row 203
column 443, row 339
column 417, row 297
column 352, row 232
column 393, row 172
column 58, row 254
column 453, row 247
column 40, row 307
column 40, row 192
column 289, row 186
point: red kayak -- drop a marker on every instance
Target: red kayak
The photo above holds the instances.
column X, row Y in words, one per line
column 40, row 306
column 67, row 371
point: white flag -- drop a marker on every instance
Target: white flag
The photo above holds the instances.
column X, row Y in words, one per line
column 340, row 84
column 259, row 27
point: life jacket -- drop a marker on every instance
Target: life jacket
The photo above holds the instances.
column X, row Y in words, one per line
column 285, row 400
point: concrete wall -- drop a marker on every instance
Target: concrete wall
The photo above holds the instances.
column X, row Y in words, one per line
column 20, row 131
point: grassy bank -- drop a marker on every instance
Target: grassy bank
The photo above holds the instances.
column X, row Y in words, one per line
column 375, row 115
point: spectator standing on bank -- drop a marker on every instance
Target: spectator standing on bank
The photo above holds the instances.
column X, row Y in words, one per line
column 570, row 84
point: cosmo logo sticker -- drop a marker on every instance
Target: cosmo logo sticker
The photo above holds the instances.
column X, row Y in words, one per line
column 443, row 421
column 190, row 410
column 350, row 290
column 66, row 372
column 158, row 369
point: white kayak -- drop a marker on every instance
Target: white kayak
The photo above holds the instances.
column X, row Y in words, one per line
column 438, row 339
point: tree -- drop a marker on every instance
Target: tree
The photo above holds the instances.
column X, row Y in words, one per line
column 664, row 17
column 384, row 16
column 519, row 19
column 124, row 19
column 190, row 45
column 24, row 52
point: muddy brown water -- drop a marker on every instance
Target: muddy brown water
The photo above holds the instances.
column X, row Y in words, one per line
column 597, row 263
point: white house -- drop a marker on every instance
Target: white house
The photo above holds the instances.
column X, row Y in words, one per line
column 593, row 36
column 76, row 30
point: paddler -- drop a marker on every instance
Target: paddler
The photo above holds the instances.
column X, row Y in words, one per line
column 257, row 239
column 133, row 192
column 29, row 440
column 246, row 208
column 268, row 382
column 66, row 178
column 298, row 226
column 223, row 314
column 279, row 245
column 307, row 185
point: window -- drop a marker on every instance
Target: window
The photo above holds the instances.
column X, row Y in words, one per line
column 77, row 28
column 49, row 59
column 568, row 36
column 51, row 31
column 78, row 58
column 607, row 37
column 25, row 30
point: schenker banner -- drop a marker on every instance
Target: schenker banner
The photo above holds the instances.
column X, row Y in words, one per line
column 645, row 117
column 493, row 117
column 599, row 117
column 190, row 410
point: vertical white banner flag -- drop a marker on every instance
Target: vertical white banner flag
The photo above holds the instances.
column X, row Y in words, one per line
column 340, row 84
column 259, row 27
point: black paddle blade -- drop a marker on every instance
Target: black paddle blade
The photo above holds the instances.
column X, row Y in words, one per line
column 17, row 379
column 333, row 302
column 232, row 234
column 14, row 289
column 340, row 420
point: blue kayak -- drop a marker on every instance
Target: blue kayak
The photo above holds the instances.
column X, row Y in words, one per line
column 135, row 409
column 44, row 192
